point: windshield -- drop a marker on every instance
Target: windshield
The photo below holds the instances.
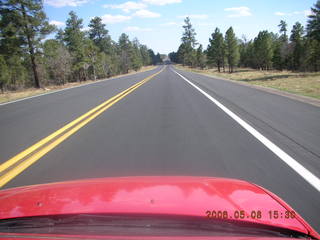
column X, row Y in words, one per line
column 179, row 107
column 139, row 225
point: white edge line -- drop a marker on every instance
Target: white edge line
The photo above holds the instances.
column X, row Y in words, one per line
column 69, row 88
column 301, row 170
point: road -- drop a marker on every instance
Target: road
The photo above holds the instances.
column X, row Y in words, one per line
column 166, row 126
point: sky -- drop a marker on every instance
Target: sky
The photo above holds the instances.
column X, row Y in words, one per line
column 158, row 23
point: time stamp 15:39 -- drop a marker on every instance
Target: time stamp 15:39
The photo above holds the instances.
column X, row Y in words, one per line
column 255, row 214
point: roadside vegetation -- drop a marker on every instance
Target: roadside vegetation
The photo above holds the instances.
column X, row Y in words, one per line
column 288, row 61
column 29, row 60
column 8, row 96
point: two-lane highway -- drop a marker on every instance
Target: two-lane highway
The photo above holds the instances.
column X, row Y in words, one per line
column 165, row 126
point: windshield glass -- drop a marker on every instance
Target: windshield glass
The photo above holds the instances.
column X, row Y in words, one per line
column 139, row 225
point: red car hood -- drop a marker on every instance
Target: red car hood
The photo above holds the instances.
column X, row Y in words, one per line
column 192, row 196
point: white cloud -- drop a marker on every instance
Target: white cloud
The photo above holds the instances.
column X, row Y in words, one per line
column 195, row 16
column 137, row 29
column 57, row 23
column 305, row 12
column 146, row 14
column 205, row 24
column 85, row 29
column 171, row 24
column 127, row 6
column 161, row 2
column 107, row 18
column 64, row 3
column 238, row 12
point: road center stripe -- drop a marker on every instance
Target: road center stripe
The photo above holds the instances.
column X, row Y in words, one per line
column 296, row 166
column 45, row 145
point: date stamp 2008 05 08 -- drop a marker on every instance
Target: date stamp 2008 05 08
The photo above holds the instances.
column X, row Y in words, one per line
column 255, row 214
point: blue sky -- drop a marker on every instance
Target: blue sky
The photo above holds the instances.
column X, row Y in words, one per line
column 158, row 23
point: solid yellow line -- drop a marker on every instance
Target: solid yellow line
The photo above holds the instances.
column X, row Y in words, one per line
column 39, row 144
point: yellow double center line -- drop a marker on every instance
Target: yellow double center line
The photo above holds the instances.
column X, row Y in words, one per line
column 20, row 162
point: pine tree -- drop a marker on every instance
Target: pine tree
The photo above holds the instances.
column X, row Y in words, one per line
column 135, row 53
column 158, row 58
column 284, row 45
column 313, row 41
column 312, row 54
column 124, row 48
column 152, row 56
column 232, row 50
column 60, row 36
column 74, row 54
column 189, row 34
column 181, row 54
column 263, row 50
column 146, row 60
column 99, row 35
column 4, row 73
column 200, row 57
column 74, row 38
column 297, row 40
column 31, row 26
column 216, row 49
column 73, row 34
column 283, row 30
column 10, row 46
column 277, row 61
column 313, row 26
column 173, row 57
column 91, row 53
column 246, row 53
column 189, row 42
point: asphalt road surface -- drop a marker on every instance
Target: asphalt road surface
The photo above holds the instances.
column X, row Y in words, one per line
column 167, row 127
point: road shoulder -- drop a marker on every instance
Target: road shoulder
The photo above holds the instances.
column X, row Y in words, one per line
column 305, row 99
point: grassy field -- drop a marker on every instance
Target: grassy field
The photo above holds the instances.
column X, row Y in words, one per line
column 14, row 95
column 302, row 83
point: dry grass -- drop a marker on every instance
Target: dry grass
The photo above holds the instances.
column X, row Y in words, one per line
column 302, row 83
column 14, row 95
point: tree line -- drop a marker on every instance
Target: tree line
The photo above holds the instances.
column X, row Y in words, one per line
column 297, row 50
column 27, row 59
